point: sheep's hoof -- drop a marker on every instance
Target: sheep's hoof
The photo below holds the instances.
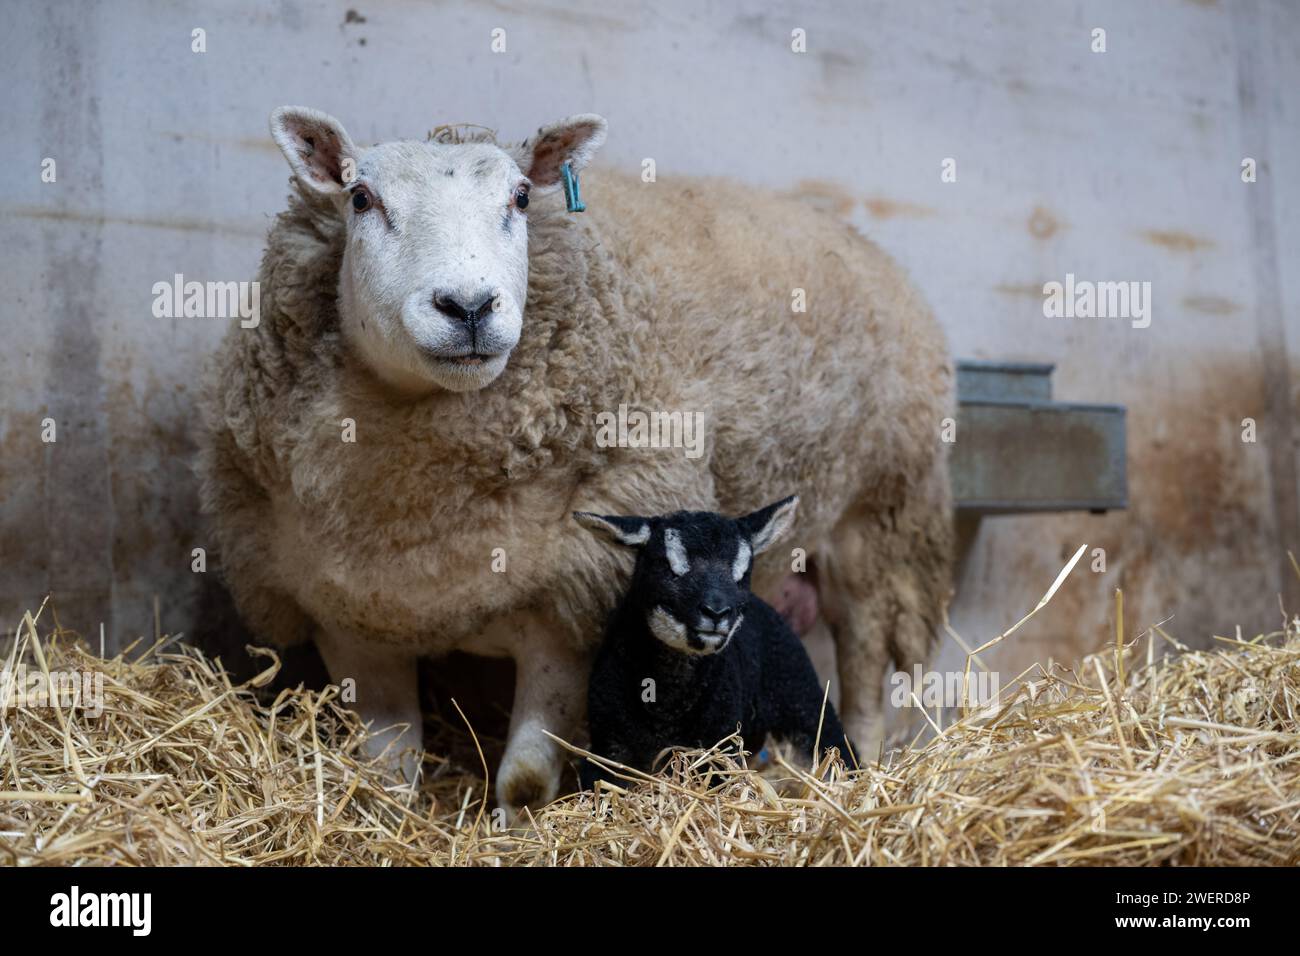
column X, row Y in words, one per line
column 525, row 788
column 393, row 755
column 867, row 734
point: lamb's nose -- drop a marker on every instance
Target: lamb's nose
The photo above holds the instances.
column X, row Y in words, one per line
column 464, row 308
column 715, row 613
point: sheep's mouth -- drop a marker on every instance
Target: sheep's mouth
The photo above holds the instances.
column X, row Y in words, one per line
column 473, row 358
column 713, row 640
column 707, row 642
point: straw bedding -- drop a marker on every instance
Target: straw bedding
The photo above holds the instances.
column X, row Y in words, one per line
column 1129, row 758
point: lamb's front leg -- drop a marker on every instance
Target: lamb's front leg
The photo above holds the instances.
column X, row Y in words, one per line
column 550, row 694
column 387, row 696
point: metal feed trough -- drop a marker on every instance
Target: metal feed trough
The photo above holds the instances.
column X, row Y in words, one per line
column 1017, row 451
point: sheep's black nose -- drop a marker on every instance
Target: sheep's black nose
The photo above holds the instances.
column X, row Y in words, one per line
column 463, row 308
column 715, row 613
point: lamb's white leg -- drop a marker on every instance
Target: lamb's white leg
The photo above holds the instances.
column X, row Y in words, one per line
column 550, row 694
column 386, row 696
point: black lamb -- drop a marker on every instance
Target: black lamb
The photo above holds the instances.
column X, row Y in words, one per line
column 690, row 655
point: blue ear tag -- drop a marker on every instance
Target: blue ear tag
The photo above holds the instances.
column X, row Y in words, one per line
column 571, row 197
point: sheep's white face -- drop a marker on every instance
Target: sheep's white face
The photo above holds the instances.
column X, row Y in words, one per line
column 435, row 271
column 436, row 267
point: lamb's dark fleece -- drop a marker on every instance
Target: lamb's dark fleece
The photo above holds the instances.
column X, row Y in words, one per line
column 691, row 655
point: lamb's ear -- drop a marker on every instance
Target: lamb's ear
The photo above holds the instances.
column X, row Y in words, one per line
column 318, row 148
column 766, row 525
column 573, row 141
column 630, row 531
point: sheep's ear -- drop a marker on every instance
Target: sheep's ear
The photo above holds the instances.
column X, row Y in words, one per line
column 766, row 525
column 630, row 531
column 317, row 147
column 573, row 141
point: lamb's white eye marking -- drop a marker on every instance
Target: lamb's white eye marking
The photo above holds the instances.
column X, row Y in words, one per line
column 741, row 564
column 677, row 559
column 641, row 537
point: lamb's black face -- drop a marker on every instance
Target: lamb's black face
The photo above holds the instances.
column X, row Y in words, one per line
column 693, row 569
column 692, row 577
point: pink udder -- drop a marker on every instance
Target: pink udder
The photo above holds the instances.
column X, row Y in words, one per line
column 796, row 601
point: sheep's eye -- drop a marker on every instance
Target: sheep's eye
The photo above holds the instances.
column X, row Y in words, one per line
column 361, row 200
column 521, row 197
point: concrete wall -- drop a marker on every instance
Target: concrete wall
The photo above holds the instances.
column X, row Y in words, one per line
column 1112, row 166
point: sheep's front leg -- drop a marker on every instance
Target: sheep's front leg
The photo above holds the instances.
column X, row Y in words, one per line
column 550, row 695
column 387, row 696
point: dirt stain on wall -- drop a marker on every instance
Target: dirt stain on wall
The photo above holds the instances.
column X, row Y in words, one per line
column 824, row 195
column 835, row 199
column 882, row 208
column 1211, row 304
column 78, row 514
column 154, row 492
column 1175, row 241
column 1042, row 224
